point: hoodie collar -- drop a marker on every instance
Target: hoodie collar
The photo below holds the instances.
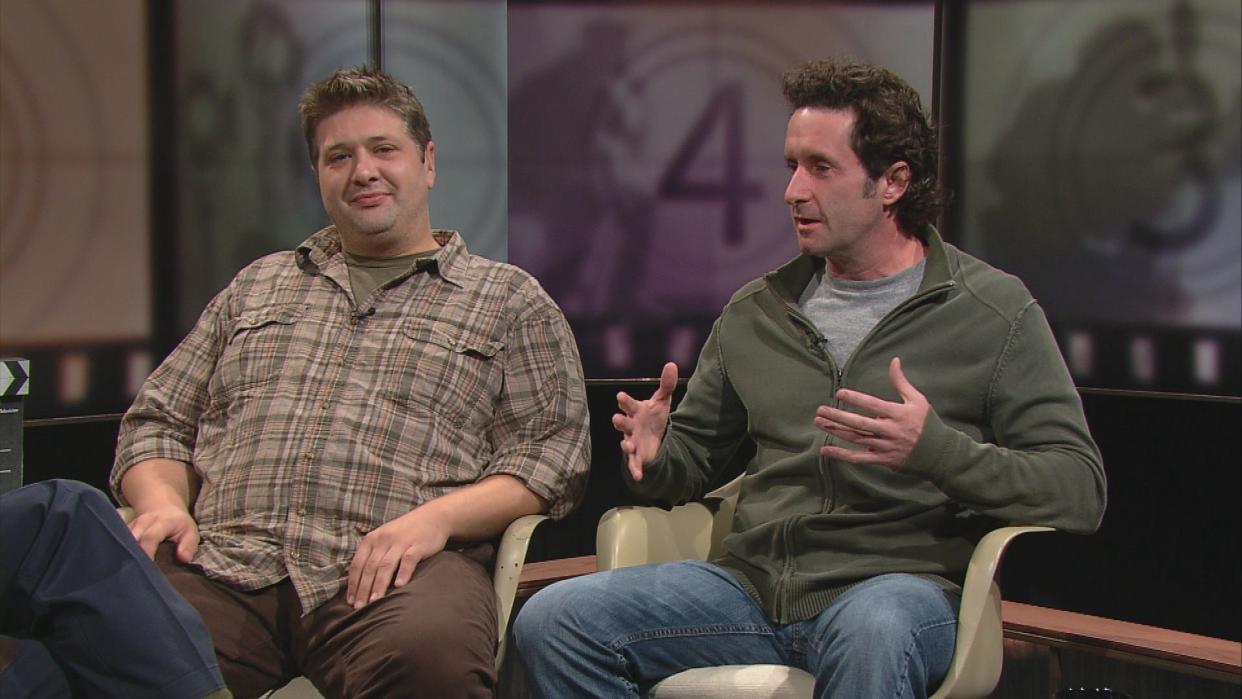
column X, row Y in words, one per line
column 791, row 278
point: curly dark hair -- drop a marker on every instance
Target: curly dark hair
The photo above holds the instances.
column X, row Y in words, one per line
column 363, row 85
column 889, row 126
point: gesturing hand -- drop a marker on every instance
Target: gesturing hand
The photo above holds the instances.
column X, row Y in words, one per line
column 166, row 523
column 394, row 548
column 642, row 423
column 889, row 436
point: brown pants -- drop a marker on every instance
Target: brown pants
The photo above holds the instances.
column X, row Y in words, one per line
column 433, row 637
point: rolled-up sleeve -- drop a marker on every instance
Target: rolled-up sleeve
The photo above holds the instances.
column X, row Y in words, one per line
column 541, row 434
column 162, row 423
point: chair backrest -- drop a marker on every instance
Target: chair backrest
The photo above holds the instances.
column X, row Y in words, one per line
column 629, row 536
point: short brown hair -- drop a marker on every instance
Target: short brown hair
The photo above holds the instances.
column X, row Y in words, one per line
column 348, row 87
column 889, row 126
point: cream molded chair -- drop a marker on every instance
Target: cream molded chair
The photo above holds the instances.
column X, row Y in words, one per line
column 510, row 557
column 629, row 536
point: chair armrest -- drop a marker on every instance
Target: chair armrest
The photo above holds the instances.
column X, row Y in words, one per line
column 985, row 561
column 509, row 561
column 977, row 653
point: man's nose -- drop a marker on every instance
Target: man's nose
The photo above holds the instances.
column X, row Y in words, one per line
column 796, row 191
column 364, row 168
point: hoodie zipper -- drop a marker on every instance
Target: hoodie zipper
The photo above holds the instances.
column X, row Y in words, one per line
column 781, row 602
column 780, row 605
column 897, row 310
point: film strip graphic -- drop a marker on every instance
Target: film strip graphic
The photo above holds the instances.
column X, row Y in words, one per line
column 105, row 377
column 619, row 348
column 1155, row 358
column 79, row 380
column 1164, row 359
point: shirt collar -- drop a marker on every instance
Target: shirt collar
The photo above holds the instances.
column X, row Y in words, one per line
column 449, row 262
column 452, row 260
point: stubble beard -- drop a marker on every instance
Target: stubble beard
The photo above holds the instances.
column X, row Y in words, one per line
column 373, row 223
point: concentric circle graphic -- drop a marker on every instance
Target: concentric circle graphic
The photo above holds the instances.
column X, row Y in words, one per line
column 1140, row 151
column 54, row 149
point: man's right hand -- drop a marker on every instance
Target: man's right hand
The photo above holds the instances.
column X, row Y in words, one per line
column 169, row 523
column 162, row 491
column 642, row 423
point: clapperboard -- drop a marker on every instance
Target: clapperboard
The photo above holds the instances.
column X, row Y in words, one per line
column 14, row 386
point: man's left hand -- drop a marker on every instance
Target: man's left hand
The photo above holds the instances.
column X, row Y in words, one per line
column 395, row 548
column 888, row 437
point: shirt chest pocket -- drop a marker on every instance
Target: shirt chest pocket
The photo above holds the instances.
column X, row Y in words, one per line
column 451, row 371
column 261, row 342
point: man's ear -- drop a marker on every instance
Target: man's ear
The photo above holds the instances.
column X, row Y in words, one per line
column 429, row 162
column 895, row 181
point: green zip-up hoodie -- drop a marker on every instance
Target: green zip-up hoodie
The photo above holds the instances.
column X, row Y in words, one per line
column 1005, row 440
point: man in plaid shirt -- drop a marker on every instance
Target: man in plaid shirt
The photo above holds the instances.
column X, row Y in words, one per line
column 320, row 466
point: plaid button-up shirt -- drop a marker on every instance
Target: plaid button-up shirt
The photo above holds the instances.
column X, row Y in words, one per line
column 312, row 419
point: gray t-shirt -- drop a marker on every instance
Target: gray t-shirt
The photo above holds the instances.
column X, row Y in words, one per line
column 845, row 310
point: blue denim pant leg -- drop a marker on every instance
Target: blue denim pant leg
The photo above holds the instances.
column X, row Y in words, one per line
column 73, row 578
column 614, row 633
column 890, row 636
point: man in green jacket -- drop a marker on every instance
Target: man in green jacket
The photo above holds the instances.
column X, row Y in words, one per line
column 902, row 398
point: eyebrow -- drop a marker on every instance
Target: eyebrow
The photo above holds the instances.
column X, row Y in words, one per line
column 369, row 140
column 813, row 155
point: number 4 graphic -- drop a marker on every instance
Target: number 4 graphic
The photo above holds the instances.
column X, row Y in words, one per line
column 724, row 110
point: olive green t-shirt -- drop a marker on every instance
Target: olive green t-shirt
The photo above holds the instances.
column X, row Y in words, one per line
column 366, row 274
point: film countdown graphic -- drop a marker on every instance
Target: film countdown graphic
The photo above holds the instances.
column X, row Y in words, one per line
column 675, row 200
column 247, row 182
column 708, row 100
column 1130, row 214
column 52, row 190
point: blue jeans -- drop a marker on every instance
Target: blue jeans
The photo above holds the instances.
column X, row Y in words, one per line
column 88, row 613
column 615, row 633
